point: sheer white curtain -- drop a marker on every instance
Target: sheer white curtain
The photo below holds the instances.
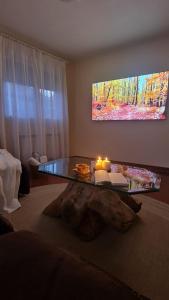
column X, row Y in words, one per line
column 33, row 102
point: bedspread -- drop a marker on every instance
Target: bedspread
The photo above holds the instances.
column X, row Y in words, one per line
column 10, row 172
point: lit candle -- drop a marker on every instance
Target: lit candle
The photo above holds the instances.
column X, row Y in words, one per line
column 98, row 164
column 106, row 164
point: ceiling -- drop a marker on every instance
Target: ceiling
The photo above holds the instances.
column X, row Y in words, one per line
column 76, row 28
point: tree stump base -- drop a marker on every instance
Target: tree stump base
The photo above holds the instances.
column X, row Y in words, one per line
column 87, row 209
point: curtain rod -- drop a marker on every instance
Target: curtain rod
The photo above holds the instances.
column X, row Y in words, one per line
column 30, row 45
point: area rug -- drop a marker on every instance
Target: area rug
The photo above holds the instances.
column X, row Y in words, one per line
column 139, row 257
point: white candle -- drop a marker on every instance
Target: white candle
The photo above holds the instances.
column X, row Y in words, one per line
column 106, row 164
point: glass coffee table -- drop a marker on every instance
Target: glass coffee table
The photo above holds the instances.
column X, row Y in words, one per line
column 140, row 180
column 87, row 207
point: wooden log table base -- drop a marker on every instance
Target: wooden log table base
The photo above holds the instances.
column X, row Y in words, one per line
column 87, row 209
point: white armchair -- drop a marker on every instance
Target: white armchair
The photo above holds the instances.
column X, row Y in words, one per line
column 10, row 172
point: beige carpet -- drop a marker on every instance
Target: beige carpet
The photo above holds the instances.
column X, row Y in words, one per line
column 139, row 257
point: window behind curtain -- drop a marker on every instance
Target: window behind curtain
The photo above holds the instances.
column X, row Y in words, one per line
column 33, row 102
column 27, row 109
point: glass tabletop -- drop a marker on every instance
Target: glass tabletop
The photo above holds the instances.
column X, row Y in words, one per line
column 140, row 180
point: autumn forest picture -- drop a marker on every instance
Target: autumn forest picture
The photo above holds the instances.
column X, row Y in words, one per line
column 135, row 98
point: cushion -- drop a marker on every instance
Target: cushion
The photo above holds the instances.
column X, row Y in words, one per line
column 34, row 269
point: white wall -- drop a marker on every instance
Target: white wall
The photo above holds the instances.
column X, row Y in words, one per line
column 145, row 142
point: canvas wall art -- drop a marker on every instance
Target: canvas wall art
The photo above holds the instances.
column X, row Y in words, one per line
column 141, row 97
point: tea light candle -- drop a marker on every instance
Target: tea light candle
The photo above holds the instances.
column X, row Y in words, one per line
column 98, row 164
column 106, row 164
